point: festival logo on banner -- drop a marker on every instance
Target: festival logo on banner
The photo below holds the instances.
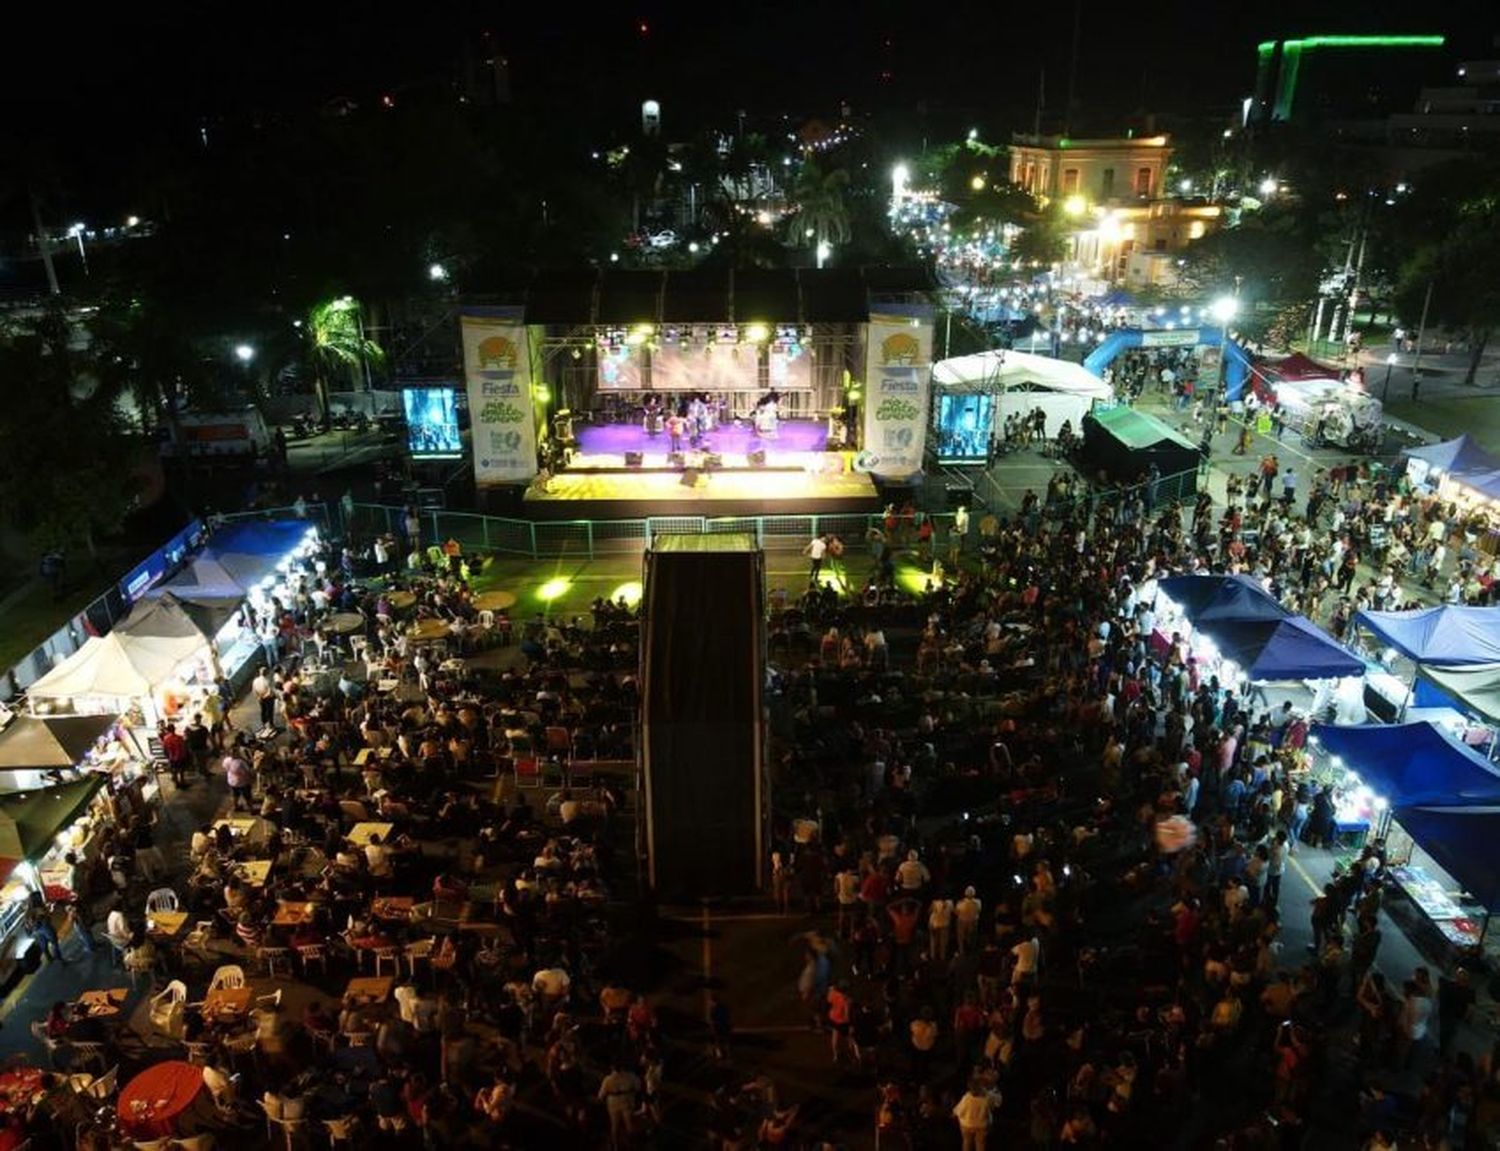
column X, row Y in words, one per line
column 497, row 370
column 898, row 369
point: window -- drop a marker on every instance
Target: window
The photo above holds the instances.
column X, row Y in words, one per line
column 1108, row 185
column 1143, row 182
column 1070, row 181
column 1029, row 180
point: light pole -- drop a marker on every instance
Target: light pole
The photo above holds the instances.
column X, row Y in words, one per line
column 1385, row 384
column 1224, row 309
column 76, row 231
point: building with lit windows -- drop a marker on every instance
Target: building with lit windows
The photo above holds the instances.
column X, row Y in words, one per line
column 1130, row 231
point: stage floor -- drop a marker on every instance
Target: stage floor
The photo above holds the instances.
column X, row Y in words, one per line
column 799, row 476
column 632, row 494
column 605, row 445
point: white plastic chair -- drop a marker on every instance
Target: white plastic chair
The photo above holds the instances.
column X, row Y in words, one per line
column 168, row 1007
column 228, row 977
column 162, row 899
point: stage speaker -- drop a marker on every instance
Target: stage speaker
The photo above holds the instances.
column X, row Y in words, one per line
column 703, row 736
column 689, row 477
column 675, row 459
column 634, row 459
column 757, row 458
column 712, row 461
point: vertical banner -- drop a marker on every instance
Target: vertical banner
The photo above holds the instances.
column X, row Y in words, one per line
column 497, row 370
column 898, row 371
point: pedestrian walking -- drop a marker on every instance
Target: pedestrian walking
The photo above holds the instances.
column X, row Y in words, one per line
column 816, row 549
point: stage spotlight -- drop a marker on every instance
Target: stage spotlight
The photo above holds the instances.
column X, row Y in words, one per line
column 554, row 589
column 757, row 333
column 629, row 592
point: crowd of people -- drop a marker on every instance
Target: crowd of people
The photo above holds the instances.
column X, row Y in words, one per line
column 1042, row 871
column 1098, row 958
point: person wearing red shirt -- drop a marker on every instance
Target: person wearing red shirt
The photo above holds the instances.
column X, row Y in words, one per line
column 840, row 1017
column 175, row 748
column 874, row 889
column 904, row 915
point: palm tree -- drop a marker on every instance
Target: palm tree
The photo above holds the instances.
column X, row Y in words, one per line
column 337, row 342
column 820, row 216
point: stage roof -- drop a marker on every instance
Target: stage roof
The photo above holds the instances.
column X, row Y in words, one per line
column 560, row 297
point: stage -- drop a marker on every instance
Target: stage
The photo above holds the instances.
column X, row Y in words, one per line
column 798, row 475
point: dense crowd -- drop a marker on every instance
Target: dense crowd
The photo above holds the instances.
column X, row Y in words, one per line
column 1097, row 957
column 1040, row 864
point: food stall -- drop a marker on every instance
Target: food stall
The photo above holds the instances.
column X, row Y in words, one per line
column 1400, row 644
column 1392, row 777
column 1464, row 474
column 1236, row 631
column 38, row 829
column 235, row 577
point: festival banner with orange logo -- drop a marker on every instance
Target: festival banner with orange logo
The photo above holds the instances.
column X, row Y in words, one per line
column 898, row 372
column 497, row 369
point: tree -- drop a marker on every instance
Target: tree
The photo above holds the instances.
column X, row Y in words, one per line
column 1459, row 266
column 142, row 358
column 337, row 343
column 1274, row 254
column 1044, row 239
column 66, row 467
column 819, row 214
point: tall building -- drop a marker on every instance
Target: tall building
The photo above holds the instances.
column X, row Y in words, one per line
column 1100, row 170
column 1129, row 230
column 1321, row 77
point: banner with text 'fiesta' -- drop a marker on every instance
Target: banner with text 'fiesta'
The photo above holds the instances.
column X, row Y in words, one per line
column 898, row 372
column 497, row 370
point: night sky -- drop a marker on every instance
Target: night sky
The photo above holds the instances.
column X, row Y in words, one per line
column 136, row 67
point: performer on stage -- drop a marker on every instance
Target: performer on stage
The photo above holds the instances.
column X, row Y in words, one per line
column 676, row 428
column 767, row 417
column 652, row 421
column 697, row 418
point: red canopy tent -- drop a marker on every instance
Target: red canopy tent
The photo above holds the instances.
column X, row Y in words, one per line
column 1298, row 367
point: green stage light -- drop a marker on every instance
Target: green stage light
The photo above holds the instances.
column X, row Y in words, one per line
column 554, row 589
column 913, row 579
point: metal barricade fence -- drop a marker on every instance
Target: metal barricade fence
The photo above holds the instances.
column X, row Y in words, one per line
column 591, row 538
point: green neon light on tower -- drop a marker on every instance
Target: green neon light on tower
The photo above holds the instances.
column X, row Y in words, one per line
column 1291, row 59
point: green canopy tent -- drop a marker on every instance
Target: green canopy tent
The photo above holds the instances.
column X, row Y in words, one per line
column 1123, row 444
column 31, row 820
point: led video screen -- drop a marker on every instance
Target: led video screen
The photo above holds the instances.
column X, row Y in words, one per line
column 432, row 423
column 963, row 431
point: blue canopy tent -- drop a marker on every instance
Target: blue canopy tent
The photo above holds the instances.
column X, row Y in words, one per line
column 273, row 538
column 1203, row 598
column 1278, row 650
column 1464, row 841
column 1446, row 636
column 1460, row 458
column 1411, row 764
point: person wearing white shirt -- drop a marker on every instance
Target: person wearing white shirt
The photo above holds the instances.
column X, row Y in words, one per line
column 973, row 1114
column 1026, row 954
column 966, row 913
column 912, row 875
column 939, row 929
column 378, row 857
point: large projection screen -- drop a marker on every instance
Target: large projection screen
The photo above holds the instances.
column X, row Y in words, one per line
column 715, row 368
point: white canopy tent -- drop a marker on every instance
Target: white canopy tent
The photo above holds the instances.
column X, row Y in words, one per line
column 1022, row 382
column 117, row 667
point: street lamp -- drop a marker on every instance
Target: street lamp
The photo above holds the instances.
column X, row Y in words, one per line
column 825, row 249
column 900, row 174
column 437, row 273
column 244, row 353
column 1385, row 384
column 76, row 232
column 1224, row 309
column 1268, row 186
